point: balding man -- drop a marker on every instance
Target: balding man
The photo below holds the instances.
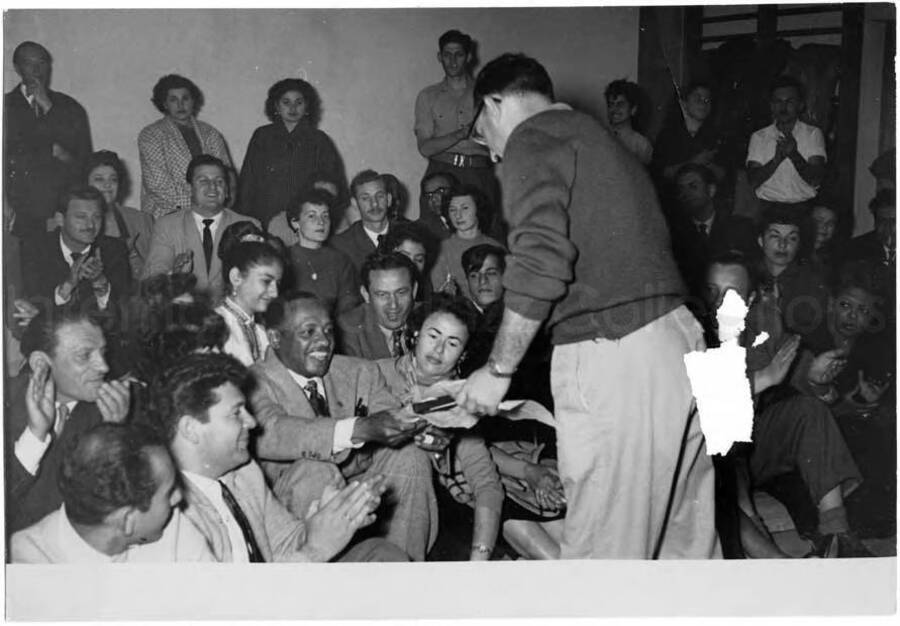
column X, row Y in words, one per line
column 120, row 495
column 47, row 136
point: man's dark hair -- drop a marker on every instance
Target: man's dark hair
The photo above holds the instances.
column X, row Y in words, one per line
column 42, row 332
column 309, row 195
column 483, row 210
column 107, row 468
column 697, row 168
column 174, row 81
column 280, row 307
column 513, row 73
column 310, row 99
column 622, row 87
column 884, row 198
column 180, row 328
column 781, row 213
column 735, row 258
column 693, row 86
column 204, row 159
column 378, row 261
column 403, row 231
column 473, row 258
column 110, row 159
column 20, row 49
column 455, row 36
column 784, row 81
column 162, row 288
column 81, row 192
column 450, row 179
column 187, row 387
column 366, row 176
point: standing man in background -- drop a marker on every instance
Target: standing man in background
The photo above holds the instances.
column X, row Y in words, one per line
column 590, row 255
column 45, row 140
column 444, row 114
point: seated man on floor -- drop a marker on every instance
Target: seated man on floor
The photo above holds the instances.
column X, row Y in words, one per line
column 377, row 327
column 120, row 496
column 328, row 419
column 77, row 264
column 61, row 394
column 199, row 407
column 792, row 431
column 799, row 289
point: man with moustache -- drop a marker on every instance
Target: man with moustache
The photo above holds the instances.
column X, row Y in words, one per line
column 375, row 329
column 327, row 419
column 46, row 138
column 370, row 196
column 77, row 265
column 61, row 394
column 190, row 238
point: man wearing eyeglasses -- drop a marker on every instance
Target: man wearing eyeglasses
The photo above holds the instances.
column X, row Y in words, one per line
column 786, row 160
column 435, row 188
column 444, row 114
column 590, row 258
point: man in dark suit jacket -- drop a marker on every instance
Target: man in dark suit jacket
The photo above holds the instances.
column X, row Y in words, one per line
column 700, row 230
column 61, row 395
column 46, row 138
column 77, row 265
column 375, row 329
column 326, row 419
column 370, row 196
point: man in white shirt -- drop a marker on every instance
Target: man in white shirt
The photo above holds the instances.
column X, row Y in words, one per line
column 120, row 496
column 327, row 419
column 622, row 101
column 188, row 240
column 786, row 160
column 60, row 395
column 200, row 409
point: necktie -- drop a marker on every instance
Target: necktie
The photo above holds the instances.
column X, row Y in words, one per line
column 38, row 111
column 380, row 240
column 701, row 228
column 207, row 242
column 62, row 415
column 319, row 406
column 397, row 342
column 238, row 513
column 75, row 257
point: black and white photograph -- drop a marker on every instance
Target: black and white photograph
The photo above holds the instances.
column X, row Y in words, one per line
column 423, row 311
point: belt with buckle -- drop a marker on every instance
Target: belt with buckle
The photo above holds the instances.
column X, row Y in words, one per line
column 457, row 159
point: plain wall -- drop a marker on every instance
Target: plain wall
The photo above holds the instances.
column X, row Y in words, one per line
column 368, row 66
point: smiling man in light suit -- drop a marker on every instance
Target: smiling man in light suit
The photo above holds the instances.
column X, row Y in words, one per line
column 190, row 238
column 326, row 419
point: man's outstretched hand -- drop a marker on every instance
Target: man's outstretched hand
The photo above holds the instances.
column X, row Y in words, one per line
column 387, row 427
column 333, row 519
column 482, row 393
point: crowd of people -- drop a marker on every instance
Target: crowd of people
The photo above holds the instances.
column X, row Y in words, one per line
column 240, row 369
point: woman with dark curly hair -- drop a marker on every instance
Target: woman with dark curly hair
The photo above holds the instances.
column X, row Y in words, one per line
column 283, row 156
column 168, row 145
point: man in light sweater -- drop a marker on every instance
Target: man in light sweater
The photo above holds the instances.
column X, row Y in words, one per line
column 590, row 256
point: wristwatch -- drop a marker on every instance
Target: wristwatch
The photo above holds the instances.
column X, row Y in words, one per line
column 495, row 370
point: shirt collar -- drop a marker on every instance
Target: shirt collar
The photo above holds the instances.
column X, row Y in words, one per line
column 67, row 251
column 77, row 549
column 373, row 235
column 25, row 94
column 709, row 222
column 216, row 220
column 303, row 381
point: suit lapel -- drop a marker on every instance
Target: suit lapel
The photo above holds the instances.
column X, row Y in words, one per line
column 193, row 243
column 293, row 398
column 374, row 337
column 340, row 391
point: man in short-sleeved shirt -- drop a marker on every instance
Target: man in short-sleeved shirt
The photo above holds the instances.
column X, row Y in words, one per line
column 786, row 160
column 444, row 113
